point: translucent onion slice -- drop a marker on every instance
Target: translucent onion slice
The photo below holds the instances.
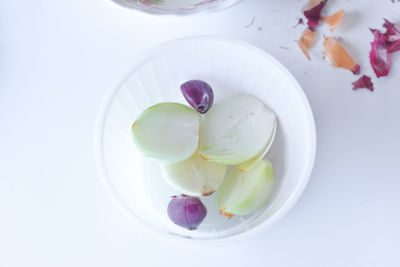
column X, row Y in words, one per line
column 235, row 130
column 242, row 193
column 167, row 131
column 251, row 163
column 195, row 176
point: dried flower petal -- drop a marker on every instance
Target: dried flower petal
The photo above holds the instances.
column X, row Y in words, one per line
column 338, row 57
column 334, row 20
column 380, row 58
column 306, row 41
column 363, row 82
column 313, row 12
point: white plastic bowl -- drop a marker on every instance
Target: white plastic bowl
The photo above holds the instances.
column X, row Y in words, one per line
column 176, row 7
column 231, row 67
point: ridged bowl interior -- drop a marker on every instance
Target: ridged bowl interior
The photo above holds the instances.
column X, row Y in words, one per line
column 231, row 67
column 177, row 7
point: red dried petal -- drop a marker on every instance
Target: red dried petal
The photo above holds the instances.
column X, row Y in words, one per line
column 314, row 14
column 363, row 82
column 379, row 56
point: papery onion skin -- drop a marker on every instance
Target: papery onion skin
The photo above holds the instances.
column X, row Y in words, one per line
column 198, row 94
column 379, row 56
column 314, row 14
column 363, row 82
column 338, row 57
column 393, row 36
column 382, row 47
column 307, row 41
column 243, row 193
column 333, row 20
column 167, row 131
column 187, row 212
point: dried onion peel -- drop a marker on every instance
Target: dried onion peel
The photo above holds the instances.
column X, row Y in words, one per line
column 333, row 20
column 312, row 11
column 306, row 41
column 393, row 36
column 363, row 82
column 381, row 48
column 338, row 57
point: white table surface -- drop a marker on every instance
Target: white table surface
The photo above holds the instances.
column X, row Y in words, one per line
column 57, row 59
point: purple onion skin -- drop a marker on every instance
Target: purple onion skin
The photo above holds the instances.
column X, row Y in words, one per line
column 187, row 212
column 198, row 94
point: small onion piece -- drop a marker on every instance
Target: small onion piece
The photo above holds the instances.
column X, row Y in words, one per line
column 338, row 57
column 187, row 212
column 312, row 11
column 307, row 41
column 195, row 176
column 251, row 163
column 333, row 20
column 242, row 193
column 235, row 130
column 198, row 94
column 363, row 82
column 167, row 131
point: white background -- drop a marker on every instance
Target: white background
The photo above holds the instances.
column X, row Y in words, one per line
column 57, row 59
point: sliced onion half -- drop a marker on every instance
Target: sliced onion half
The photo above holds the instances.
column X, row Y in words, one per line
column 242, row 193
column 235, row 130
column 195, row 176
column 251, row 163
column 167, row 131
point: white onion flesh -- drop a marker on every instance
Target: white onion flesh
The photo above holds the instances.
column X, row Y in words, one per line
column 195, row 176
column 242, row 193
column 251, row 163
column 167, row 131
column 235, row 130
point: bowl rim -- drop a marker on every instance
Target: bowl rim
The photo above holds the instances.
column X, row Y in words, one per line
column 169, row 236
column 177, row 13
